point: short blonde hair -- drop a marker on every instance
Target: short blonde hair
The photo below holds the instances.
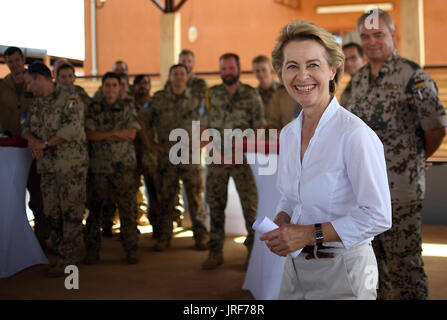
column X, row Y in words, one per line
column 298, row 30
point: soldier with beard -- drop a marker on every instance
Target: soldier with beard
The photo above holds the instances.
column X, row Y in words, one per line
column 231, row 105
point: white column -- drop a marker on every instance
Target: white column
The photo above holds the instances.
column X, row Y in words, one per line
column 412, row 31
column 170, row 43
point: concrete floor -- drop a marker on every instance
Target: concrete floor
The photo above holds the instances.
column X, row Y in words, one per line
column 174, row 274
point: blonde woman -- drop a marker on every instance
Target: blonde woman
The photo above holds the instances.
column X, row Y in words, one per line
column 332, row 177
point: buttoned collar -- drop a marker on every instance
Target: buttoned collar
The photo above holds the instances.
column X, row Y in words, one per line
column 387, row 66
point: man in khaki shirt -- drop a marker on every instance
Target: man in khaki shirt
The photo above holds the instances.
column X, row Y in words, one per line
column 14, row 104
column 263, row 71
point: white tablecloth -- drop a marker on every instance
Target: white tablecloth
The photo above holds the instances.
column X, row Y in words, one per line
column 265, row 269
column 19, row 248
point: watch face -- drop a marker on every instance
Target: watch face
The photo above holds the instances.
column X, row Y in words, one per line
column 318, row 235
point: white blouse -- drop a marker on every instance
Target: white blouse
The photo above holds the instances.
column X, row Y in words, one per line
column 342, row 179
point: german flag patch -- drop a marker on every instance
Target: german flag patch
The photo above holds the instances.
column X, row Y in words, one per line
column 419, row 83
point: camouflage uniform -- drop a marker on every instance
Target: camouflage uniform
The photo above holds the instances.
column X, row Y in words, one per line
column 147, row 165
column 266, row 94
column 399, row 105
column 345, row 97
column 244, row 110
column 196, row 85
column 14, row 103
column 169, row 112
column 281, row 109
column 197, row 88
column 113, row 165
column 63, row 168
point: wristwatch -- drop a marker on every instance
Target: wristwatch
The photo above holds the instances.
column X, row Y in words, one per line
column 45, row 142
column 318, row 234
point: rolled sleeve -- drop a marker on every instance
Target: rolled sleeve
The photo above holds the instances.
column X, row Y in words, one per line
column 366, row 169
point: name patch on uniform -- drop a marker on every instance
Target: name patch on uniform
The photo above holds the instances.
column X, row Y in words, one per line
column 388, row 86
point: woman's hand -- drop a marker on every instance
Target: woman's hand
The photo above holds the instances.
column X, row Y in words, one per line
column 288, row 238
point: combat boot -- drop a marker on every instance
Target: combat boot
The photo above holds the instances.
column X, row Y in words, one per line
column 91, row 258
column 201, row 245
column 132, row 257
column 56, row 271
column 215, row 259
column 161, row 245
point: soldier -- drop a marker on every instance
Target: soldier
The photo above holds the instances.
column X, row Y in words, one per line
column 263, row 71
column 146, row 158
column 175, row 108
column 111, row 126
column 281, row 109
column 65, row 77
column 198, row 87
column 196, row 84
column 54, row 129
column 232, row 105
column 353, row 62
column 399, row 101
column 119, row 67
column 14, row 103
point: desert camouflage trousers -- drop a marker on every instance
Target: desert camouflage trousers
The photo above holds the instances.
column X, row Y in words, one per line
column 64, row 196
column 168, row 176
column 399, row 256
column 216, row 197
column 122, row 187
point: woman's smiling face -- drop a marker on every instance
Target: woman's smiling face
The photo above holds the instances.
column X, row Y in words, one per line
column 306, row 73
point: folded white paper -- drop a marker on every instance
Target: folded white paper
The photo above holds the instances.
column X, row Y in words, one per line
column 264, row 225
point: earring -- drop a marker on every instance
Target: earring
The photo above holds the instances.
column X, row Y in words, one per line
column 332, row 86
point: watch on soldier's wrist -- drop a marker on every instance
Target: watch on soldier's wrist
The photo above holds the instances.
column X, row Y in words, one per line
column 45, row 142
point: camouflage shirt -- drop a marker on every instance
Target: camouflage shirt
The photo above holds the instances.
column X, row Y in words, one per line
column 345, row 97
column 266, row 94
column 13, row 102
column 195, row 84
column 399, row 105
column 244, row 110
column 169, row 111
column 60, row 114
column 281, row 109
column 112, row 156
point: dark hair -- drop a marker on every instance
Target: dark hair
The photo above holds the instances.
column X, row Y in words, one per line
column 11, row 50
column 354, row 45
column 178, row 65
column 229, row 55
column 186, row 52
column 65, row 65
column 140, row 78
column 120, row 62
column 38, row 68
column 123, row 76
column 111, row 75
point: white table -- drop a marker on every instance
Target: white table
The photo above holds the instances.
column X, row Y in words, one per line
column 265, row 269
column 19, row 248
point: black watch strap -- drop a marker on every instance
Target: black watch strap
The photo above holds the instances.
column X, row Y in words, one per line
column 318, row 234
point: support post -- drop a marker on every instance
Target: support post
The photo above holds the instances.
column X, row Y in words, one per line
column 170, row 43
column 412, row 32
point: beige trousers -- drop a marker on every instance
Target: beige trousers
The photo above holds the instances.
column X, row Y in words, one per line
column 351, row 275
